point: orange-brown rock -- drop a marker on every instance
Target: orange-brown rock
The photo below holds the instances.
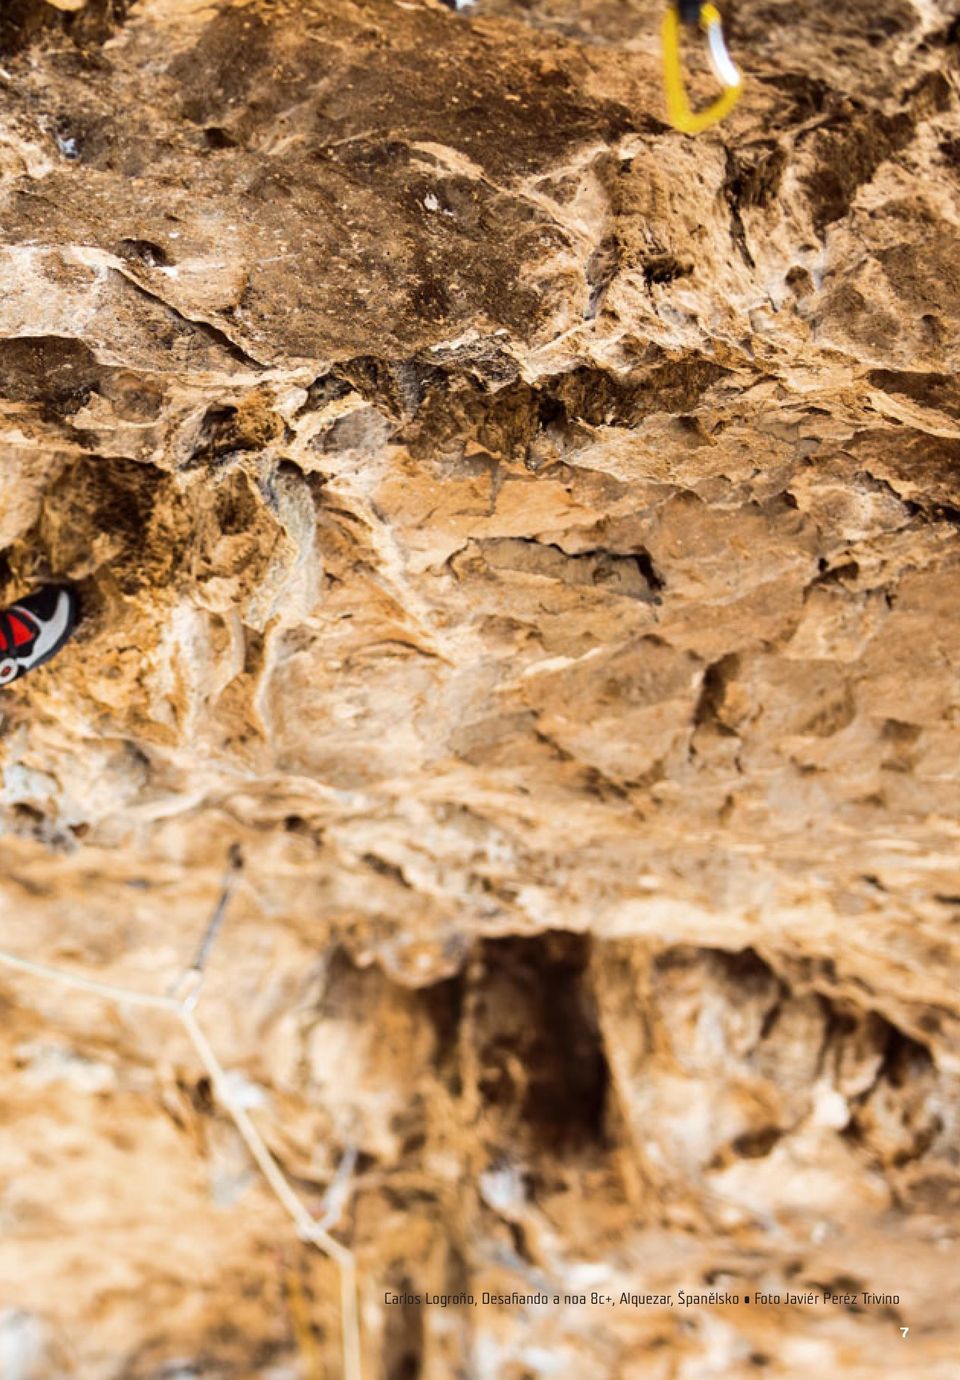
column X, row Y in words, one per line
column 531, row 535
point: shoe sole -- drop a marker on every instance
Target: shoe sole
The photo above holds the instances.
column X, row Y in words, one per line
column 55, row 631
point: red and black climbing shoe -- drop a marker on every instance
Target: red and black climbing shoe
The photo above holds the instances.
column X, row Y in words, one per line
column 34, row 629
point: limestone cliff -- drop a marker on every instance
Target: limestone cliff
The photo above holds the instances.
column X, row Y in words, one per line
column 531, row 536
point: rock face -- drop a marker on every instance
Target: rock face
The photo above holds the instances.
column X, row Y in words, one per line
column 531, row 536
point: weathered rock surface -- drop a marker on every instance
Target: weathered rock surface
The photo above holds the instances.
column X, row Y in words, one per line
column 531, row 535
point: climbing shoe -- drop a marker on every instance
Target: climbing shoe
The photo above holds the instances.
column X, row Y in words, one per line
column 35, row 628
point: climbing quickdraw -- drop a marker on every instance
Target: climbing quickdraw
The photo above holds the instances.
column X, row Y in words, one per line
column 706, row 17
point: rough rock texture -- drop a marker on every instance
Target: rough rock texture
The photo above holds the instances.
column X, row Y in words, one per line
column 532, row 536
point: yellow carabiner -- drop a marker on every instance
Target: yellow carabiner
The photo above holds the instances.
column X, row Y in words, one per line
column 681, row 116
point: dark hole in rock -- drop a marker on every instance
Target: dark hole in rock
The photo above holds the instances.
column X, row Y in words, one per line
column 144, row 252
column 535, row 1011
column 216, row 137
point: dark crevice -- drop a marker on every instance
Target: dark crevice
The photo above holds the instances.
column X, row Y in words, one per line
column 626, row 573
column 755, row 1145
column 144, row 252
column 848, row 570
column 533, row 1004
column 904, row 1059
column 216, row 137
column 665, row 268
column 385, row 869
column 943, row 512
column 713, row 692
column 649, row 571
column 752, row 178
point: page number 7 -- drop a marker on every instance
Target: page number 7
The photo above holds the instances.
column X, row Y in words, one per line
column 904, row 1330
